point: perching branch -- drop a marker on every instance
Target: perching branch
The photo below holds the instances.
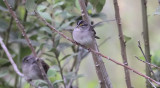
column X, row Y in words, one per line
column 99, row 64
column 146, row 38
column 122, row 43
column 10, row 58
column 21, row 28
column 91, row 50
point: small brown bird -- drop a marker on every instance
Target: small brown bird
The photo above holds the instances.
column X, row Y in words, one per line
column 31, row 69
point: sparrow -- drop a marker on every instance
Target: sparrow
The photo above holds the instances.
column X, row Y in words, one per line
column 84, row 33
column 31, row 69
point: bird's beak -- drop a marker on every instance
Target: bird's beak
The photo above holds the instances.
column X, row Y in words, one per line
column 34, row 62
column 77, row 26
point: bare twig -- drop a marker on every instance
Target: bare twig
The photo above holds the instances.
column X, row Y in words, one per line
column 21, row 28
column 148, row 66
column 10, row 58
column 148, row 63
column 151, row 83
column 91, row 50
column 122, row 43
column 78, row 61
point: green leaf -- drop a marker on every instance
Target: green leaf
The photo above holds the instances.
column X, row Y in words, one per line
column 56, row 40
column 65, row 25
column 58, row 4
column 62, row 46
column 69, row 58
column 3, row 25
column 57, row 81
column 92, row 84
column 77, row 5
column 24, row 42
column 3, row 9
column 65, row 57
column 46, row 29
column 3, row 61
column 30, row 5
column 142, row 58
column 21, row 10
column 58, row 12
column 126, row 38
column 39, row 1
column 26, row 85
column 40, row 83
column 156, row 58
column 98, row 4
column 51, row 72
column 3, row 72
column 72, row 75
column 41, row 7
column 45, row 15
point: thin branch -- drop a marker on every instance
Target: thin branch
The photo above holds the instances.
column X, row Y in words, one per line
column 148, row 63
column 148, row 66
column 122, row 43
column 78, row 61
column 21, row 28
column 61, row 72
column 151, row 83
column 10, row 58
column 91, row 50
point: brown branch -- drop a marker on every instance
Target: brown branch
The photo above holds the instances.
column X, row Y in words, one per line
column 123, row 45
column 91, row 50
column 146, row 39
column 10, row 58
column 148, row 63
column 77, row 64
column 99, row 64
column 84, row 11
column 21, row 28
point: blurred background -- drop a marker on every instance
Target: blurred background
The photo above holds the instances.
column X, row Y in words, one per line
column 63, row 15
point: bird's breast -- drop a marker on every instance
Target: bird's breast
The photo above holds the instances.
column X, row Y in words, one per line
column 83, row 37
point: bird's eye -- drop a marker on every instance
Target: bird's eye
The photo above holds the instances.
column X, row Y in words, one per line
column 26, row 60
column 84, row 25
